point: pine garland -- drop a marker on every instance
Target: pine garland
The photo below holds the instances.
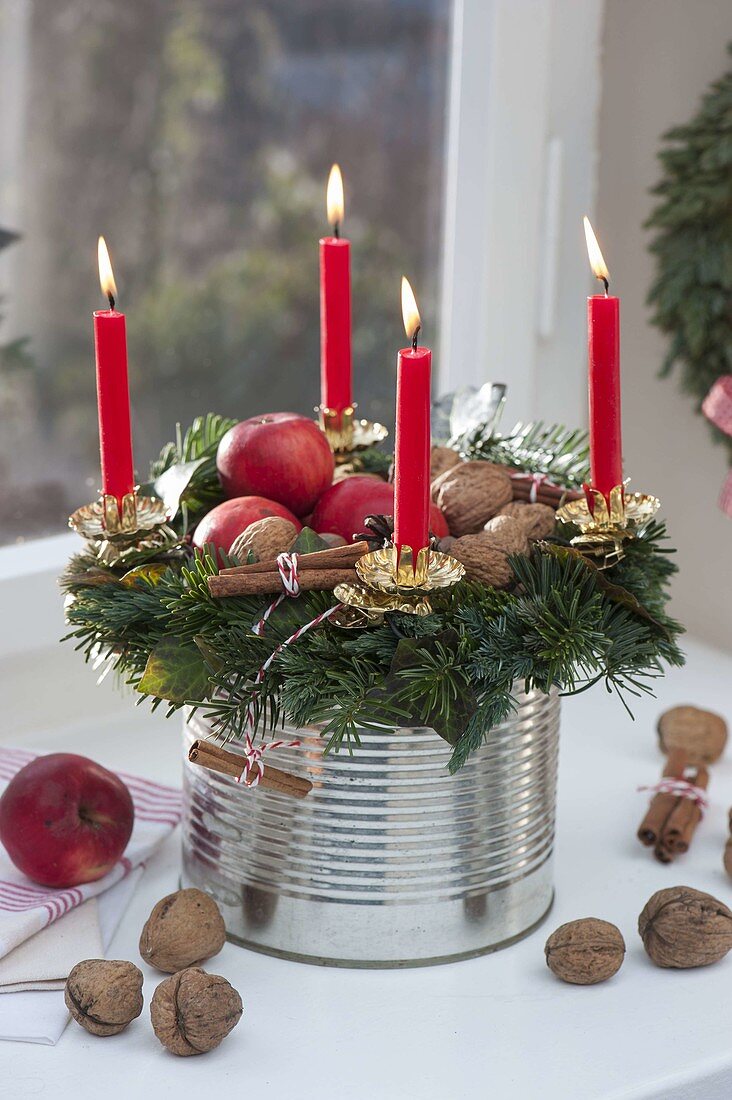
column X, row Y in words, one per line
column 563, row 624
column 693, row 246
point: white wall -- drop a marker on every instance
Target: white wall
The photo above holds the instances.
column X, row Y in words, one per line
column 658, row 58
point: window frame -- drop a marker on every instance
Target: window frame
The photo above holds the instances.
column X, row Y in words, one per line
column 506, row 246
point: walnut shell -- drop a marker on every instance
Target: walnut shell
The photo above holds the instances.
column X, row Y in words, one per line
column 184, row 928
column 700, row 732
column 266, row 538
column 441, row 459
column 538, row 520
column 483, row 560
column 104, row 995
column 192, row 1011
column 585, row 951
column 470, row 494
column 508, row 535
column 681, row 927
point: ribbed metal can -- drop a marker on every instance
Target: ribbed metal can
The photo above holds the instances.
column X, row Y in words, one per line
column 389, row 861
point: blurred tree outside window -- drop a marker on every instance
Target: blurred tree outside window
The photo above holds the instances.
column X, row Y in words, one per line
column 197, row 136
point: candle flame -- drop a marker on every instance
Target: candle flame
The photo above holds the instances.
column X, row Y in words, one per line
column 597, row 262
column 334, row 196
column 410, row 313
column 106, row 275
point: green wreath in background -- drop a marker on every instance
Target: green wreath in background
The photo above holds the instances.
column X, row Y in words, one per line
column 692, row 293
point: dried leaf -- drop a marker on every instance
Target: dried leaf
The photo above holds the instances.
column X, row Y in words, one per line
column 175, row 671
column 151, row 573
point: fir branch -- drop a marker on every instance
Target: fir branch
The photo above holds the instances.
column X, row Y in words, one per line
column 692, row 246
column 563, row 625
column 560, row 453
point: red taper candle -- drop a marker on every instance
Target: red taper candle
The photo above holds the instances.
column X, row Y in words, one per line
column 412, row 441
column 335, row 305
column 603, row 353
column 113, row 398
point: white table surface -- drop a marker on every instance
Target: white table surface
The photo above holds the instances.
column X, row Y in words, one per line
column 499, row 1026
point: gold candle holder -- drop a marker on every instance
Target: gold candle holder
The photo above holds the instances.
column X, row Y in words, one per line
column 118, row 534
column 346, row 434
column 609, row 523
column 391, row 580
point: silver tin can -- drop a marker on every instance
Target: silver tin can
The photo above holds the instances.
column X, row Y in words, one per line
column 389, row 861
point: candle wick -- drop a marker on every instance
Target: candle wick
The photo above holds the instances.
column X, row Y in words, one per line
column 415, row 334
column 336, row 230
column 606, row 284
column 110, row 299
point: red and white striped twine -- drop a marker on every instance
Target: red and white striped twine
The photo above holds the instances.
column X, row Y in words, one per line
column 254, row 763
column 287, row 565
column 682, row 788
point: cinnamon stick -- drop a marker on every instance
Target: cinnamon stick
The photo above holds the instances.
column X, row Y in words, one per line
column 651, row 827
column 216, row 759
column 262, row 584
column 334, row 557
column 684, row 818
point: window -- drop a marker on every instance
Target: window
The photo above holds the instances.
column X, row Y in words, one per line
column 197, row 137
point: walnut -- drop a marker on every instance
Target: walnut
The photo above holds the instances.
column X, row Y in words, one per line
column 266, row 538
column 700, row 732
column 483, row 560
column 508, row 535
column 441, row 459
column 192, row 1011
column 470, row 494
column 104, row 995
column 538, row 520
column 183, row 928
column 681, row 927
column 585, row 951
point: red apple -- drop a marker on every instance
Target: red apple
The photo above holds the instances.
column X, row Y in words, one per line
column 281, row 456
column 223, row 523
column 344, row 506
column 65, row 820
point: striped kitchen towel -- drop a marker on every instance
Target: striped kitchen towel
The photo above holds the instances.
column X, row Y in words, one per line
column 26, row 908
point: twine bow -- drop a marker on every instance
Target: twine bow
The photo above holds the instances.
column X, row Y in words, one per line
column 682, row 788
column 253, row 762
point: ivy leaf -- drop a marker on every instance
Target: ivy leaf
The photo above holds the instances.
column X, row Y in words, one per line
column 172, row 485
column 451, row 704
column 175, row 671
column 307, row 542
column 209, row 654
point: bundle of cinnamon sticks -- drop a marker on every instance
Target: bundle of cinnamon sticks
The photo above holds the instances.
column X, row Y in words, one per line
column 545, row 493
column 213, row 757
column 672, row 818
column 321, row 570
